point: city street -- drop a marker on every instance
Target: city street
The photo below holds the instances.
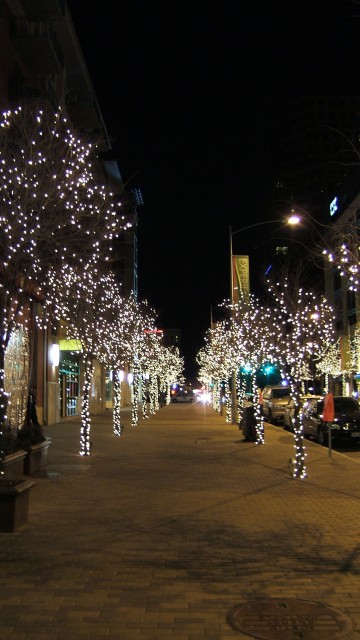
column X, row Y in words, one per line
column 181, row 529
column 349, row 449
column 180, row 213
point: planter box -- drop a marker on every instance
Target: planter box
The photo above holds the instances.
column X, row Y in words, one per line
column 14, row 504
column 36, row 457
column 14, row 464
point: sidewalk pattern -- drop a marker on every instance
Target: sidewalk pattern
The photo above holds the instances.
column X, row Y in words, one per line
column 160, row 533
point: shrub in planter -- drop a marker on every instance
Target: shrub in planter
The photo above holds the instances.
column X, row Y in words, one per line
column 8, row 440
column 29, row 435
column 14, row 488
column 23, row 450
column 12, row 456
column 31, row 438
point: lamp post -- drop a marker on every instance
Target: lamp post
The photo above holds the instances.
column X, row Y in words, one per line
column 292, row 220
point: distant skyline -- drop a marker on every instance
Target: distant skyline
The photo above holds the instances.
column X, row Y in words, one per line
column 193, row 95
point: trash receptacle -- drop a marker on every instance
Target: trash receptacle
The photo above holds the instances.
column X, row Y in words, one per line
column 248, row 422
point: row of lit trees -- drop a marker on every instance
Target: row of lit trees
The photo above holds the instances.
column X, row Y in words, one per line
column 117, row 331
column 293, row 330
column 54, row 212
column 58, row 222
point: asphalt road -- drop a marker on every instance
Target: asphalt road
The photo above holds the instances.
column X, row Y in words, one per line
column 348, row 449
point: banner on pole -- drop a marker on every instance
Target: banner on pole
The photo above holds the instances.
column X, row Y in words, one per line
column 240, row 278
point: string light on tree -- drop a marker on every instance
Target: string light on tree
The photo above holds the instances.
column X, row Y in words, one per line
column 54, row 213
column 305, row 330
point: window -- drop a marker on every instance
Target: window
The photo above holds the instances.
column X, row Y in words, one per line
column 280, row 393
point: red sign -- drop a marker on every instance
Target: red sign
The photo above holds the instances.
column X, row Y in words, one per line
column 328, row 413
column 153, row 331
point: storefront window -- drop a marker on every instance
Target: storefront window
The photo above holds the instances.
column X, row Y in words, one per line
column 69, row 374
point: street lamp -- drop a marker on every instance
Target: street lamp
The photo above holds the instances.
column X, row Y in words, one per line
column 239, row 273
column 293, row 220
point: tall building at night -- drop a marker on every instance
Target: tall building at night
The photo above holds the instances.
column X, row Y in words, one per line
column 315, row 158
column 316, row 150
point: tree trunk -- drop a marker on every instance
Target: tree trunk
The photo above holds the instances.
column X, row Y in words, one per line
column 260, row 437
column 85, row 442
column 299, row 468
column 228, row 417
column 152, row 393
column 3, row 407
column 134, row 407
column 117, row 404
column 144, row 398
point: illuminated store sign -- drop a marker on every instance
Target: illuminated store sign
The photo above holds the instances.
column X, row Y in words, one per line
column 334, row 206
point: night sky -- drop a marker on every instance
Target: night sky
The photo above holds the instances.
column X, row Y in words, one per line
column 193, row 95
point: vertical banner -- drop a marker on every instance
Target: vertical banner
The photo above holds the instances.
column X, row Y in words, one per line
column 240, row 278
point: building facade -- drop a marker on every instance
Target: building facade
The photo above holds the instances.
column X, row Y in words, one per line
column 41, row 59
column 316, row 149
column 344, row 209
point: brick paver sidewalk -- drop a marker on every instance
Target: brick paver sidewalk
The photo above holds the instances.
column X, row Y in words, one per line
column 161, row 532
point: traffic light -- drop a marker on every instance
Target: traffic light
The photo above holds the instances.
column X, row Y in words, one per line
column 269, row 368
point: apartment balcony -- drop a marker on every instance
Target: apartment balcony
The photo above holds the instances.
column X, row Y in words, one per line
column 37, row 46
column 84, row 113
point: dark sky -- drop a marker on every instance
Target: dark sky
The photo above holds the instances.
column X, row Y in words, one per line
column 193, row 95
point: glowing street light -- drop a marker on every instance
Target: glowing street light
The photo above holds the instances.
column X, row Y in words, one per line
column 239, row 274
column 293, row 220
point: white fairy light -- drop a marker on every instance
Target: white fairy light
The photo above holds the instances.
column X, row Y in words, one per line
column 50, row 206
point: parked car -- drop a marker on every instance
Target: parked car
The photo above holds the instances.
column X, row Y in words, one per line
column 346, row 424
column 274, row 399
column 289, row 409
column 184, row 396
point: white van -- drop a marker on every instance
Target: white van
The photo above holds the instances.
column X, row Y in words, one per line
column 274, row 399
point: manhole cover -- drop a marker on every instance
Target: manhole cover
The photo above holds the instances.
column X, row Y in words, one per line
column 202, row 441
column 288, row 619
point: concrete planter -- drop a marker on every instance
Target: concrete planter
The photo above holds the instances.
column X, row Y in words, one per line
column 36, row 457
column 14, row 464
column 14, row 504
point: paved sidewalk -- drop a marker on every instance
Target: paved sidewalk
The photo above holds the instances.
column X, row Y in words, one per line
column 160, row 533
